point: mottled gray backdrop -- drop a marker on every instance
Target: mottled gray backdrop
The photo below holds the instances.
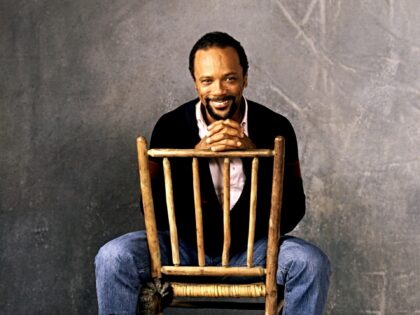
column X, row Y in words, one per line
column 81, row 79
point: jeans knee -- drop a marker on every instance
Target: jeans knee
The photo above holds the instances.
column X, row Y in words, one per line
column 108, row 255
column 114, row 256
column 316, row 263
column 300, row 258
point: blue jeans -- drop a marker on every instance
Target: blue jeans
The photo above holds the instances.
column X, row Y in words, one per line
column 122, row 266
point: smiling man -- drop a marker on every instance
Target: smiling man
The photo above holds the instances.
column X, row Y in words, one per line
column 219, row 81
column 220, row 119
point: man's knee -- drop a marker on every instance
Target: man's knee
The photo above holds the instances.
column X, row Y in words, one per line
column 120, row 254
column 317, row 262
column 305, row 257
column 110, row 254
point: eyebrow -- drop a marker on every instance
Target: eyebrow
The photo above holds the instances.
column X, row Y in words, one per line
column 210, row 77
column 231, row 73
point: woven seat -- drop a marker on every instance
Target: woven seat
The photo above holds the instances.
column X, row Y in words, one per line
column 267, row 288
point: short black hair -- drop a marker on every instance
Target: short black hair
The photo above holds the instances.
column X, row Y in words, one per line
column 221, row 40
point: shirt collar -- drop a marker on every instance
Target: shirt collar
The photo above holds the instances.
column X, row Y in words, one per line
column 202, row 125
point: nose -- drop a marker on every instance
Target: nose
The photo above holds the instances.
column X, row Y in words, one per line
column 219, row 88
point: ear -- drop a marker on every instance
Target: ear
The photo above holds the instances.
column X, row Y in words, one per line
column 245, row 80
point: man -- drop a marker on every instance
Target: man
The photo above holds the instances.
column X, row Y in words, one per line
column 220, row 119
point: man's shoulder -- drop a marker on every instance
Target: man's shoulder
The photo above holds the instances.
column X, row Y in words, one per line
column 187, row 109
column 264, row 124
column 176, row 128
column 264, row 114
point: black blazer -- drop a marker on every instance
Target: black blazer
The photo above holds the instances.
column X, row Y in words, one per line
column 178, row 129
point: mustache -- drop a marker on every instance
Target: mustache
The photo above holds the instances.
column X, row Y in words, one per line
column 220, row 99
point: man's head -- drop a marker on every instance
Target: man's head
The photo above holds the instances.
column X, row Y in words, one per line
column 219, row 67
column 220, row 40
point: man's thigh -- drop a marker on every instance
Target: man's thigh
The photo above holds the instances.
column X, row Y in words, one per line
column 134, row 246
column 291, row 248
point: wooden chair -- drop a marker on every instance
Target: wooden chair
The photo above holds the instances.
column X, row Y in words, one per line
column 266, row 290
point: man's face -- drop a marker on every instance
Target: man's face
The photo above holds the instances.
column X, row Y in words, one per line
column 219, row 82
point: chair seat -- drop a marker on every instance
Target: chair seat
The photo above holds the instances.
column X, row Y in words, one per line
column 218, row 289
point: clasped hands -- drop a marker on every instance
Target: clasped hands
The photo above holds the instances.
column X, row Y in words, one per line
column 225, row 135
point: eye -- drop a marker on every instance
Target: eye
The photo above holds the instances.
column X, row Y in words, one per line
column 231, row 79
column 205, row 81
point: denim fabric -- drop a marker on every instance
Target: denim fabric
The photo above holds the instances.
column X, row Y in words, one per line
column 122, row 265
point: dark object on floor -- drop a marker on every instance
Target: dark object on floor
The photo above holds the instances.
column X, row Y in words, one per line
column 154, row 296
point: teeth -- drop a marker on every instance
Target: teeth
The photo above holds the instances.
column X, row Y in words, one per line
column 222, row 103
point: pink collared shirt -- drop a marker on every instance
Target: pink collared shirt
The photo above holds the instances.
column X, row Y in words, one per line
column 237, row 175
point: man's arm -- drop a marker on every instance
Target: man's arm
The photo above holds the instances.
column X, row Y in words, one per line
column 294, row 207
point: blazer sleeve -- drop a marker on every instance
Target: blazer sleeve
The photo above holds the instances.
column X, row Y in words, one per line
column 293, row 207
column 159, row 139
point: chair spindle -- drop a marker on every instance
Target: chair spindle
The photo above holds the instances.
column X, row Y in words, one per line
column 171, row 211
column 226, row 212
column 252, row 212
column 198, row 213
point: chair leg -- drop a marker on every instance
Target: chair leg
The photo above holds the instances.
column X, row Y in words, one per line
column 271, row 305
column 274, row 305
column 154, row 296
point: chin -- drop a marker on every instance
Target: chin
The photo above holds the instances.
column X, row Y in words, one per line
column 227, row 111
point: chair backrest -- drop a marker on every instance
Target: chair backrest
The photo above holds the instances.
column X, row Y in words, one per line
column 267, row 289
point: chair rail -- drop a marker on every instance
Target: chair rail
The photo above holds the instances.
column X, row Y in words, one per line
column 213, row 271
column 160, row 153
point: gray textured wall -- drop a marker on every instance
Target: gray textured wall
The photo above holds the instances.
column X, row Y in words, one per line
column 81, row 79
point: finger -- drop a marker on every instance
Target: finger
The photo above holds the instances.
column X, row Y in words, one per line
column 218, row 148
column 235, row 125
column 221, row 147
column 202, row 145
column 226, row 122
column 215, row 124
column 215, row 128
column 226, row 132
column 231, row 123
column 224, row 147
column 228, row 144
column 225, row 135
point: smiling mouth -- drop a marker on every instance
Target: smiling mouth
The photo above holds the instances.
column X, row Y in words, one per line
column 221, row 103
column 219, row 108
